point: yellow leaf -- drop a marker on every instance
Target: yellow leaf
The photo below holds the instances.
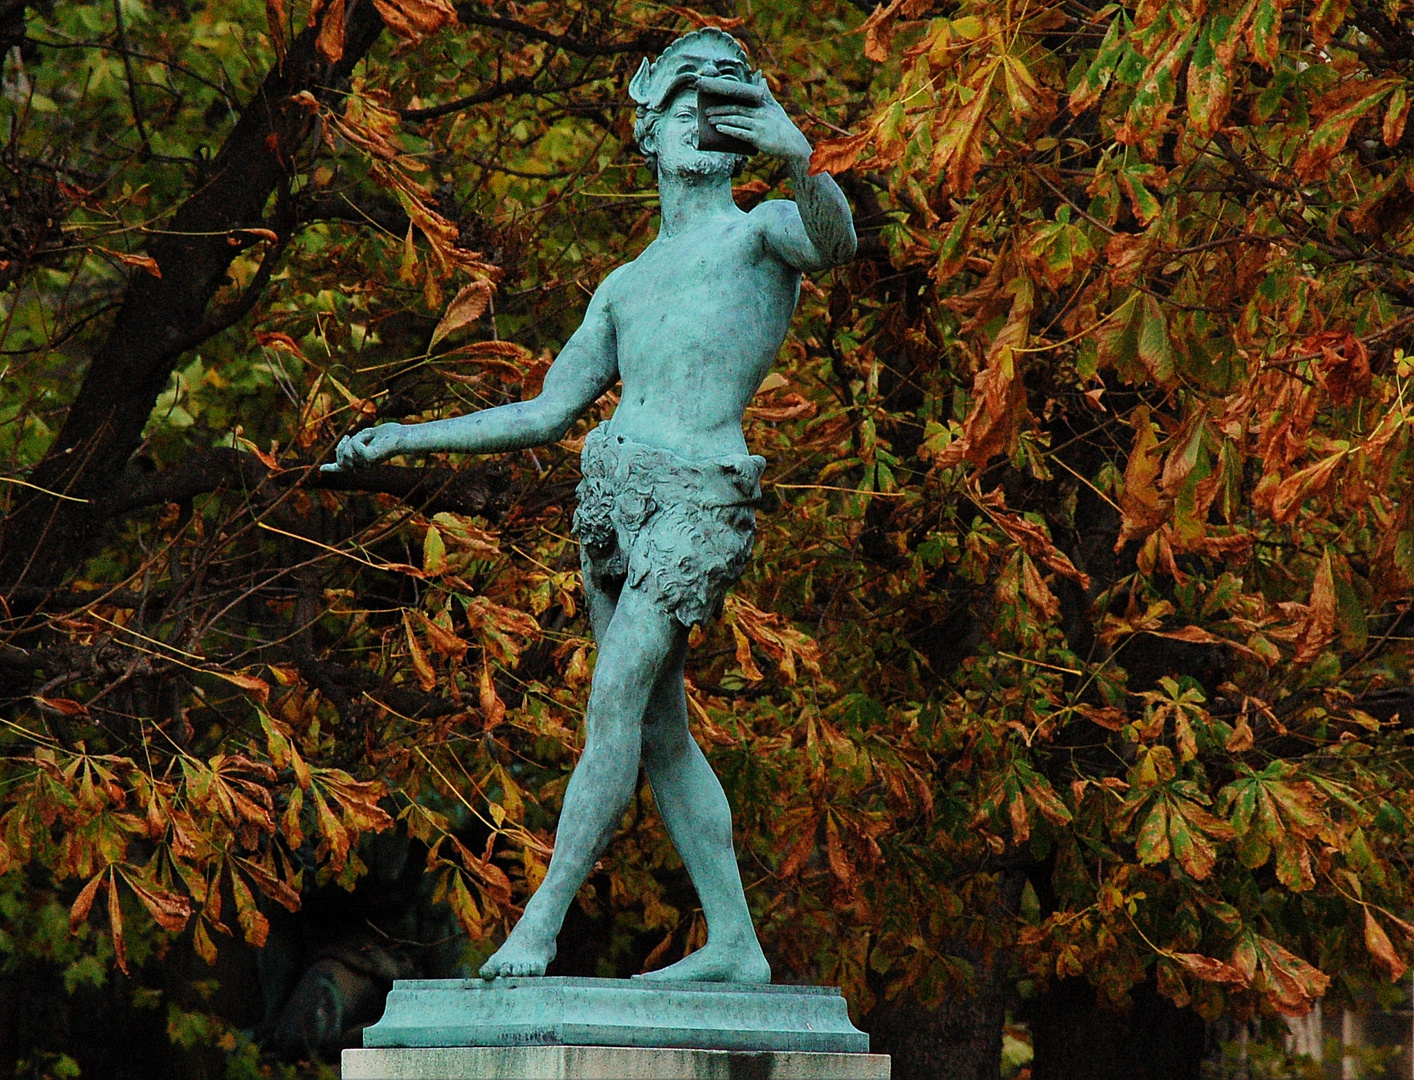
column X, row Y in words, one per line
column 426, row 677
column 434, row 552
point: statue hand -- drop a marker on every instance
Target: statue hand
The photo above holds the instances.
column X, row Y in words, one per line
column 366, row 448
column 764, row 124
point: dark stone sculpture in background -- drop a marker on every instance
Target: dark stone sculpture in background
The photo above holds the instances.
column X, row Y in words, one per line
column 666, row 519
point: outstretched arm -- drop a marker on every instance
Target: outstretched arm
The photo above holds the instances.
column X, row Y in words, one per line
column 818, row 230
column 585, row 368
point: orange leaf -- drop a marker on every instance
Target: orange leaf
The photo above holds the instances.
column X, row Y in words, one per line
column 1038, row 595
column 957, row 149
column 274, row 339
column 493, row 709
column 259, row 688
column 1319, row 625
column 1377, row 941
column 278, row 21
column 878, row 31
column 466, row 307
column 840, row 866
column 801, row 850
column 426, row 677
column 141, row 262
column 1392, row 130
column 412, row 20
column 1035, row 540
column 743, row 655
column 998, row 393
column 1107, row 716
column 63, row 706
column 1144, row 509
column 464, row 907
column 330, row 41
column 656, row 954
column 443, row 641
column 718, row 22
column 1300, row 486
column 255, row 925
column 84, row 903
column 115, row 924
column 838, row 155
column 1211, row 970
column 169, row 909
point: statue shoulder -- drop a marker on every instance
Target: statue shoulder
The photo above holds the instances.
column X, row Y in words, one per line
column 613, row 283
column 778, row 228
column 774, row 212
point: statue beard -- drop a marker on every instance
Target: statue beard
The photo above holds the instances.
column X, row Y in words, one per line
column 699, row 165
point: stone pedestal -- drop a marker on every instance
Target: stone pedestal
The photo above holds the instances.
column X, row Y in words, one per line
column 605, row 1063
column 584, row 1028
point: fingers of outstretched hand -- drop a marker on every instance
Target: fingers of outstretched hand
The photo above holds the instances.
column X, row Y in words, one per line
column 351, row 453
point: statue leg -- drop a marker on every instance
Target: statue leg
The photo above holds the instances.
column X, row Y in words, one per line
column 633, row 649
column 695, row 810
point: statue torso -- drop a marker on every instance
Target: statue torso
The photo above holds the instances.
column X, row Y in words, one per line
column 698, row 318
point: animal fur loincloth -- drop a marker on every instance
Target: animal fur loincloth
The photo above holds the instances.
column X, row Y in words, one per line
column 677, row 528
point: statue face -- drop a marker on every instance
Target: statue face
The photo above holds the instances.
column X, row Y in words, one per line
column 674, row 140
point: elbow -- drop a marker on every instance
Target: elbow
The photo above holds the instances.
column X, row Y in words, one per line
column 551, row 421
column 843, row 249
column 848, row 246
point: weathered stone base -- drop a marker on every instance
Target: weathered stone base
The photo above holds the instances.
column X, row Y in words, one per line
column 605, row 1063
column 568, row 1011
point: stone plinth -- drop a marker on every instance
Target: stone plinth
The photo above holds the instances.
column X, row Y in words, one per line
column 560, row 1012
column 605, row 1063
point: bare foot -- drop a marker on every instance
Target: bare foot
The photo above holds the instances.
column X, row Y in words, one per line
column 524, row 953
column 741, row 963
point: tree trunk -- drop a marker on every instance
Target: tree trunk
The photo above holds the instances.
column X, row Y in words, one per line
column 161, row 318
column 1077, row 1040
column 959, row 1040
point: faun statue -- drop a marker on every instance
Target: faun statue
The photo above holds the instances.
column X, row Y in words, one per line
column 666, row 513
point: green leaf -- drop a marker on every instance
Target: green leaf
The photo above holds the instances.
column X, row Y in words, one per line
column 1153, row 843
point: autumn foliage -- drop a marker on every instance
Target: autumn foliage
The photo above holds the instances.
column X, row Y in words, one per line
column 1077, row 631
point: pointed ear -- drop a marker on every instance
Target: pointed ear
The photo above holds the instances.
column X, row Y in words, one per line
column 638, row 88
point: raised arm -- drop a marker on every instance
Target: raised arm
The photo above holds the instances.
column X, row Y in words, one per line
column 817, row 230
column 585, row 368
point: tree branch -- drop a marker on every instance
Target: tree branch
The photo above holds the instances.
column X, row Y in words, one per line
column 43, row 536
column 433, row 489
column 519, row 85
column 649, row 42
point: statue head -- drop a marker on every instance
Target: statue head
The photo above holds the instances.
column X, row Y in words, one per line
column 706, row 53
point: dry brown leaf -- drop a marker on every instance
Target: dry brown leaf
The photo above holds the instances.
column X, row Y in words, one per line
column 258, row 688
column 1318, row 627
column 141, row 262
column 838, row 155
column 330, row 41
column 466, row 307
column 1382, row 949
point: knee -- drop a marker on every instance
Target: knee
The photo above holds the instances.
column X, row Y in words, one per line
column 623, row 691
column 664, row 741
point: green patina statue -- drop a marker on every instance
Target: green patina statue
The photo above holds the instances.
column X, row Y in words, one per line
column 666, row 514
